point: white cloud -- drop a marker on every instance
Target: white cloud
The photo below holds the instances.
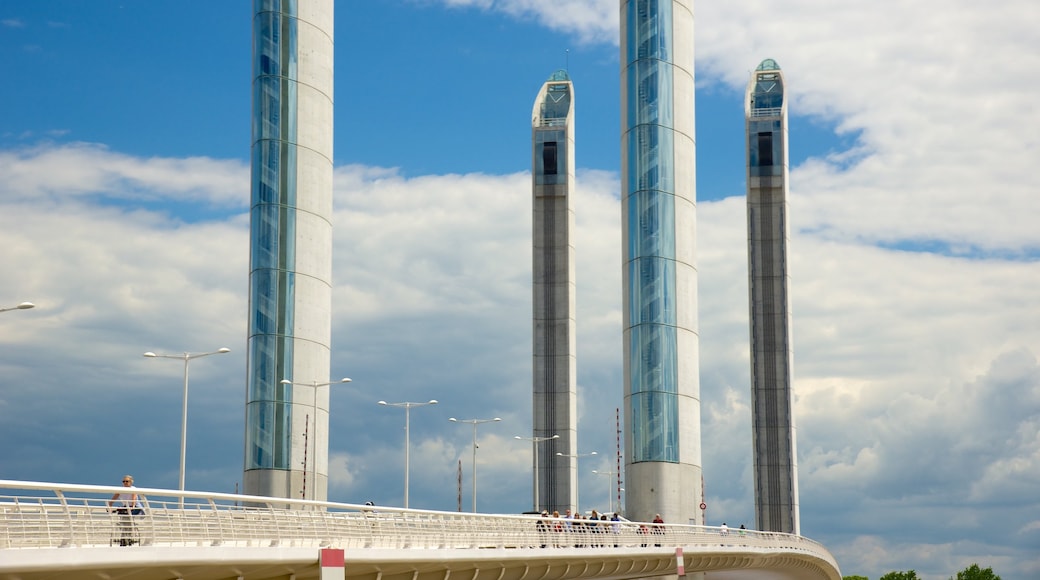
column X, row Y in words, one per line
column 92, row 170
column 432, row 301
column 589, row 20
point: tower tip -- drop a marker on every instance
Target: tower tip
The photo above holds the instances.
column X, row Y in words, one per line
column 768, row 64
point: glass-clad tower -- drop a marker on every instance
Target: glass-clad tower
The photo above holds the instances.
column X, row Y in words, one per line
column 555, row 374
column 775, row 465
column 290, row 262
column 658, row 197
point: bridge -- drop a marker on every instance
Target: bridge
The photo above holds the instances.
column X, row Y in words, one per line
column 50, row 530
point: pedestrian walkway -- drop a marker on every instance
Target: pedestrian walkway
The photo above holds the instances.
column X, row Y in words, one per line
column 49, row 529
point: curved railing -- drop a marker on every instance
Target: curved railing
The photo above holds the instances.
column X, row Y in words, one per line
column 40, row 515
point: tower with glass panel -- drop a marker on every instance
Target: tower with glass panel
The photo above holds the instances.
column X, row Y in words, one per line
column 658, row 197
column 555, row 374
column 773, row 432
column 290, row 262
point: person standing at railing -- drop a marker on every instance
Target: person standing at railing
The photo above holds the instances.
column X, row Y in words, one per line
column 658, row 528
column 543, row 528
column 127, row 505
column 557, row 528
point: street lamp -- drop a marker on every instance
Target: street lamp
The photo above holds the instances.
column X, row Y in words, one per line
column 407, row 412
column 610, row 488
column 576, row 456
column 474, row 422
column 314, row 407
column 22, row 306
column 186, row 357
column 534, row 446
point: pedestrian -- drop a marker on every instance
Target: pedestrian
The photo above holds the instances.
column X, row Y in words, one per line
column 126, row 505
column 543, row 528
column 658, row 527
column 557, row 527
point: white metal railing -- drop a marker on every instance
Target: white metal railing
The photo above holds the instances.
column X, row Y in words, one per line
column 766, row 112
column 39, row 515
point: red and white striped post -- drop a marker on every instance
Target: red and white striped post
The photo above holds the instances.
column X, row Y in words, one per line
column 333, row 566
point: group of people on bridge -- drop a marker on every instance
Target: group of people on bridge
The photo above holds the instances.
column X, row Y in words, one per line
column 580, row 531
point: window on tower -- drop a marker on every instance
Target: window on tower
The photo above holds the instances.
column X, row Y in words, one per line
column 549, row 158
column 765, row 149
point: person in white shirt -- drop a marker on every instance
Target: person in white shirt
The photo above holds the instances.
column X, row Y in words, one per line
column 126, row 504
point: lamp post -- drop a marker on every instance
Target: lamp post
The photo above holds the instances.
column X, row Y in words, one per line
column 534, row 446
column 407, row 411
column 610, row 488
column 186, row 357
column 576, row 456
column 22, row 306
column 474, row 422
column 314, row 413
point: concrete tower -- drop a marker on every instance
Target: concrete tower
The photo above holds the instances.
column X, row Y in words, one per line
column 290, row 266
column 658, row 216
column 775, row 464
column 555, row 374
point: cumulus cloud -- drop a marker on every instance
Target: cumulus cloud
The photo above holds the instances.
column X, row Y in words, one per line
column 591, row 21
column 917, row 400
column 90, row 169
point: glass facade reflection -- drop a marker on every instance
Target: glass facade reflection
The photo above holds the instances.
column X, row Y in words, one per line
column 272, row 235
column 651, row 231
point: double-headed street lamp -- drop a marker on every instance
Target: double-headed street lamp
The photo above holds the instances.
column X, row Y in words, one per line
column 534, row 446
column 610, row 488
column 22, row 306
column 186, row 357
column 475, row 422
column 576, row 456
column 407, row 411
column 314, row 407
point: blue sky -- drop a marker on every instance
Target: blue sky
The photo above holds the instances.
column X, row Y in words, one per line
column 124, row 192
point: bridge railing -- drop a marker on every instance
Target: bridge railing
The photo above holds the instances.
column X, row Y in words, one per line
column 40, row 515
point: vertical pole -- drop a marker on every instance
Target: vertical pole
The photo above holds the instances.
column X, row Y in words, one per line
column 306, row 448
column 577, row 488
column 534, row 445
column 474, row 466
column 184, row 425
column 314, row 462
column 407, row 408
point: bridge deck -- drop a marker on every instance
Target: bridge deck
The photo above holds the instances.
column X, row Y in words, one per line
column 67, row 531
